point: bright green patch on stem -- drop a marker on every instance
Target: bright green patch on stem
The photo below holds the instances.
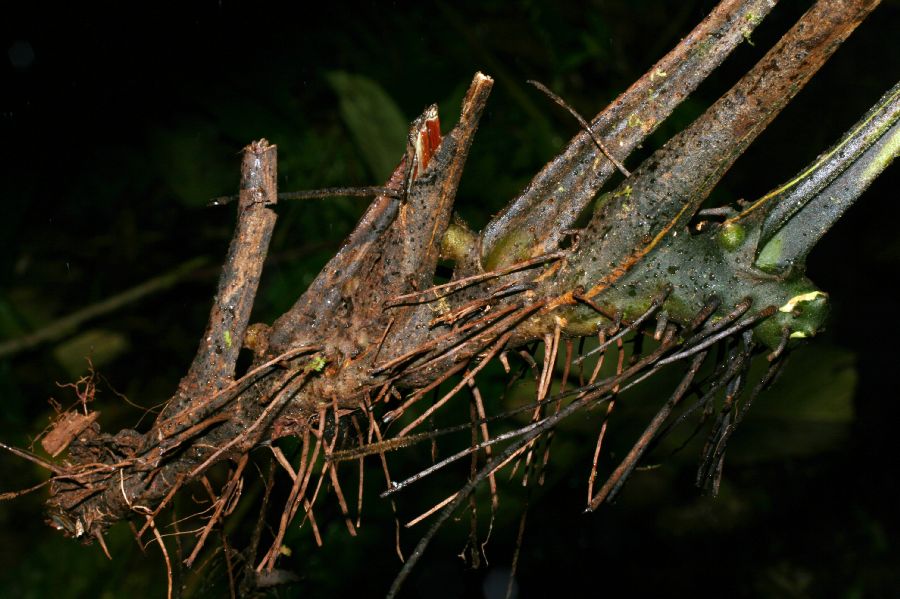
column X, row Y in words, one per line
column 792, row 303
column 887, row 154
column 770, row 256
column 511, row 248
column 457, row 243
column 582, row 321
column 802, row 317
column 315, row 364
column 731, row 236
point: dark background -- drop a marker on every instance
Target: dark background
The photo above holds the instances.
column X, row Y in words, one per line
column 120, row 122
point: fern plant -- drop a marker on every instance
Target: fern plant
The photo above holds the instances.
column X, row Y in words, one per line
column 405, row 318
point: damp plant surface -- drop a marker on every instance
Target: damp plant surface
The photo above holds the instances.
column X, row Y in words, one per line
column 602, row 275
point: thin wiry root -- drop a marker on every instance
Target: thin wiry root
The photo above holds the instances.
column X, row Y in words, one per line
column 594, row 392
column 654, row 306
column 481, row 422
column 440, row 344
column 470, row 376
column 515, row 448
column 438, row 291
column 335, row 482
column 710, row 471
column 712, row 339
column 609, row 408
column 162, row 547
column 621, row 473
column 231, row 489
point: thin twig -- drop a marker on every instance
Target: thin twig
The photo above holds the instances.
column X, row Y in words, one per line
column 318, row 194
column 584, row 125
column 13, row 494
column 68, row 324
column 22, row 453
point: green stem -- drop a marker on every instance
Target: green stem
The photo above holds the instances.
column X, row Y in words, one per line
column 805, row 208
column 534, row 222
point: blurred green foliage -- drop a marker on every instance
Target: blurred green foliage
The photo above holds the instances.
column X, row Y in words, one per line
column 115, row 141
column 373, row 119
